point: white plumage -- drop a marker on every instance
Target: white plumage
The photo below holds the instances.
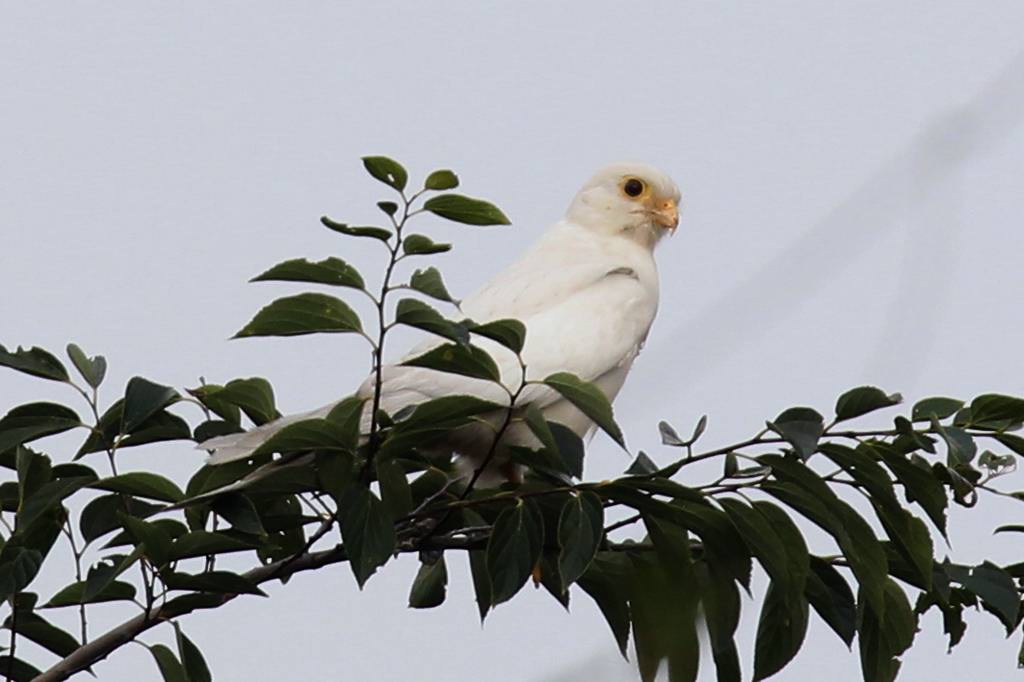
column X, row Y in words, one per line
column 587, row 292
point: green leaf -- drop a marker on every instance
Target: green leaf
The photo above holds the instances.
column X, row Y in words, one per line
column 447, row 411
column 995, row 587
column 509, row 333
column 93, row 370
column 420, row 315
column 161, row 426
column 394, row 488
column 589, row 400
column 170, row 669
column 1015, row 443
column 920, row 484
column 580, row 532
column 34, row 361
column 388, row 171
column 307, row 313
column 466, row 210
column 801, row 427
column 220, row 582
column 332, row 271
column 99, row 516
column 155, row 543
column 31, row 421
column 308, row 434
column 422, row 245
column 18, row 568
column 721, row 601
column 830, row 595
column 378, row 233
column 141, row 484
column 935, row 408
column 429, row 282
column 514, row 549
column 240, row 512
column 254, row 396
column 34, row 627
column 105, row 572
column 606, row 582
column 911, row 539
column 441, row 180
column 780, row 630
column 960, row 446
column 884, row 635
column 430, row 586
column 454, row 358
column 863, row 400
column 366, row 530
column 203, row 543
column 48, row 496
column 996, row 410
column 797, row 558
column 763, row 541
column 73, row 594
column 142, row 399
column 18, row 670
column 192, row 660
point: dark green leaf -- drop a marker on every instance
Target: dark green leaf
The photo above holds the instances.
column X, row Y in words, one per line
column 99, row 516
column 589, row 400
column 607, row 583
column 366, row 530
column 458, row 359
column 994, row 409
column 422, row 245
column 830, row 595
column 763, row 541
column 388, row 207
column 48, row 496
column 142, row 399
column 441, row 180
column 418, row 314
column 860, row 401
column 430, row 586
column 463, row 209
column 514, row 549
column 388, row 171
column 995, row 586
column 721, row 600
column 372, row 232
column 961, row 448
column 780, row 630
column 793, row 542
column 240, row 512
column 34, row 361
column 394, row 488
column 170, row 669
column 642, row 465
column 333, row 271
column 155, row 543
column 308, row 434
column 28, row 422
column 221, row 582
column 580, row 532
column 1015, row 443
column 142, row 484
column 883, row 636
column 801, row 427
column 34, row 627
column 429, row 282
column 920, row 484
column 255, row 397
column 935, row 408
column 73, row 594
column 204, row 542
column 17, row 670
column 509, row 333
column 93, row 370
column 18, row 568
column 307, row 313
column 192, row 660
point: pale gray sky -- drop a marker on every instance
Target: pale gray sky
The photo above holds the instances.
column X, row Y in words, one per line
column 851, row 175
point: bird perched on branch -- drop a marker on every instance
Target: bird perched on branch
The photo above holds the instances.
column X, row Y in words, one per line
column 587, row 293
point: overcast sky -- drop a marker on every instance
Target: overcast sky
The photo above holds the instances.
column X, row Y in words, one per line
column 851, row 174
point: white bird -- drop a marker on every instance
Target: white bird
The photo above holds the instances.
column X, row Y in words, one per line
column 587, row 293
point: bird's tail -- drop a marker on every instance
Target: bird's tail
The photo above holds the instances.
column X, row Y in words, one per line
column 236, row 446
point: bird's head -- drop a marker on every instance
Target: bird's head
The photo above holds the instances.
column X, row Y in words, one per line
column 633, row 200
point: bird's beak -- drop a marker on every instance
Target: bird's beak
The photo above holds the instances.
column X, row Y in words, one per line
column 667, row 215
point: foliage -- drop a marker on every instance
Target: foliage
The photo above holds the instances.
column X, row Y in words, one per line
column 661, row 557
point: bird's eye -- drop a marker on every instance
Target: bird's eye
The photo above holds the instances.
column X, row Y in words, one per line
column 633, row 187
